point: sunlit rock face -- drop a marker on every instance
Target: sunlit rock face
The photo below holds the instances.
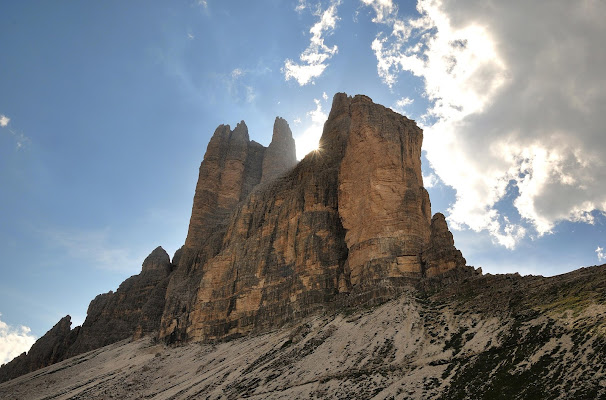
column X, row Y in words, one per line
column 271, row 241
column 344, row 226
column 382, row 202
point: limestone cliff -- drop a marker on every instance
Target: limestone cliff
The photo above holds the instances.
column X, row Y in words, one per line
column 349, row 224
column 271, row 241
column 133, row 310
column 280, row 155
column 49, row 349
column 485, row 337
column 232, row 166
column 382, row 202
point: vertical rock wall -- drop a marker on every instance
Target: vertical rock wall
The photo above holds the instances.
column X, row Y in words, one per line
column 382, row 202
column 351, row 216
column 232, row 167
column 345, row 226
column 281, row 155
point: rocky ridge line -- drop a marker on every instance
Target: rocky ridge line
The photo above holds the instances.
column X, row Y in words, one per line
column 269, row 244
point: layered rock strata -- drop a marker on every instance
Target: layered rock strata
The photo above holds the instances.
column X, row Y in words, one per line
column 382, row 202
column 232, row 167
column 270, row 242
column 348, row 223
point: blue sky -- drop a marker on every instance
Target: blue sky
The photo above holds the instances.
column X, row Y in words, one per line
column 107, row 107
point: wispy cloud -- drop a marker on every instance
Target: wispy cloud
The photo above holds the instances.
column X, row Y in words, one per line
column 314, row 60
column 600, row 253
column 203, row 3
column 14, row 341
column 430, row 180
column 301, row 5
column 94, row 248
column 401, row 105
column 509, row 111
column 240, row 88
column 21, row 140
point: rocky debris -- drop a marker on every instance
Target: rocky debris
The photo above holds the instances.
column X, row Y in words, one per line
column 49, row 349
column 546, row 344
column 348, row 226
column 280, row 155
column 133, row 310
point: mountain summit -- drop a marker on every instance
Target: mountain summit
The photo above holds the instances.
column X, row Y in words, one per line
column 272, row 243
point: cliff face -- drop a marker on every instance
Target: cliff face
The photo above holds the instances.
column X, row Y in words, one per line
column 486, row 337
column 271, row 241
column 349, row 224
column 382, row 202
column 232, row 167
column 280, row 156
column 133, row 310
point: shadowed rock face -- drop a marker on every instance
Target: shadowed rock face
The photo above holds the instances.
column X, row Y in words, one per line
column 270, row 242
column 49, row 349
column 347, row 224
column 440, row 255
column 280, row 156
column 232, row 166
column 134, row 309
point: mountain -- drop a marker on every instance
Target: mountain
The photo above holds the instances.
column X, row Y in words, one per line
column 329, row 278
column 484, row 337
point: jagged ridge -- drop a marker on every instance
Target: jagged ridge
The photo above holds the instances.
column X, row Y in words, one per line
column 269, row 244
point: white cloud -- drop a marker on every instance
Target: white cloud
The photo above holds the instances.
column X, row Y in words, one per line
column 203, row 3
column 250, row 94
column 238, row 87
column 297, row 120
column 401, row 104
column 314, row 58
column 302, row 5
column 14, row 341
column 518, row 93
column 383, row 8
column 309, row 139
column 190, row 36
column 430, row 181
column 21, row 140
column 600, row 253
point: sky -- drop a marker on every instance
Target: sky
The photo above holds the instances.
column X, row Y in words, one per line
column 106, row 109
